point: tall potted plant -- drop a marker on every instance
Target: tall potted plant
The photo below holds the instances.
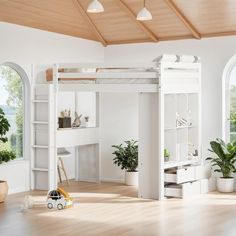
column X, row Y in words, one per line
column 5, row 154
column 223, row 161
column 126, row 156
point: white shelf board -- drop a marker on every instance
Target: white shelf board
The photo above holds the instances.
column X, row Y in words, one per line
column 40, row 122
column 116, row 65
column 76, row 137
column 40, row 101
column 172, row 164
column 40, row 169
column 182, row 127
column 120, row 88
column 109, row 75
column 40, row 146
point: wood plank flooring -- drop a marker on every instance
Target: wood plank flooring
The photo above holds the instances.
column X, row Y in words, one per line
column 109, row 209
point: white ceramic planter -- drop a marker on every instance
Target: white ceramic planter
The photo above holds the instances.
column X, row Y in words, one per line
column 131, row 178
column 225, row 185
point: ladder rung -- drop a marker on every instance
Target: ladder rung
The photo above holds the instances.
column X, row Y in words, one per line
column 40, row 146
column 40, row 101
column 37, row 122
column 40, row 169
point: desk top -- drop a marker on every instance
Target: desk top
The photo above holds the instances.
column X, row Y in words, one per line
column 70, row 137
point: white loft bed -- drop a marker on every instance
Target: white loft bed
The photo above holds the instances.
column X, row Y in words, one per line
column 165, row 79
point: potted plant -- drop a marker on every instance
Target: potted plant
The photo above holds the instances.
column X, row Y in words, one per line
column 5, row 154
column 224, row 160
column 126, row 156
column 166, row 155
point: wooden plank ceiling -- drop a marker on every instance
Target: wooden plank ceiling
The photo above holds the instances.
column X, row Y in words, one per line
column 172, row 19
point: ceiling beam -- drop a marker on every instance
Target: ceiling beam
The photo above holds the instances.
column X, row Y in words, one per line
column 129, row 41
column 90, row 22
column 219, row 34
column 183, row 18
column 140, row 24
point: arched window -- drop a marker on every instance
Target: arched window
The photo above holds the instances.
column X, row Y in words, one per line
column 229, row 100
column 13, row 92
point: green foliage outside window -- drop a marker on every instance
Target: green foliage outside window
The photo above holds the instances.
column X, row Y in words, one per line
column 14, row 87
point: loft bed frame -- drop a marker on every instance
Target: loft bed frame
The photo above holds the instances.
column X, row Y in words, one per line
column 155, row 82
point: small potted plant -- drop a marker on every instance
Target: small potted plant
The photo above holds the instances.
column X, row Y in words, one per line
column 224, row 159
column 166, row 155
column 5, row 154
column 126, row 156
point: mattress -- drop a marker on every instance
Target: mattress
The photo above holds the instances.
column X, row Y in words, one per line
column 111, row 81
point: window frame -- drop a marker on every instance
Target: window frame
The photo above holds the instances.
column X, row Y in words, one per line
column 231, row 64
column 26, row 104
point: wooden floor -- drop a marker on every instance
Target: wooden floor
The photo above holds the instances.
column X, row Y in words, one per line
column 113, row 209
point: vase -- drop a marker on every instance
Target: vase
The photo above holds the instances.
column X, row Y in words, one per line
column 3, row 190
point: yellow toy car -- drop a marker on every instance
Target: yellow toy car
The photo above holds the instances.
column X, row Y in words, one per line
column 59, row 199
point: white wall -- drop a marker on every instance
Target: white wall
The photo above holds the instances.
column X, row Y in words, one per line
column 119, row 122
column 26, row 46
column 214, row 53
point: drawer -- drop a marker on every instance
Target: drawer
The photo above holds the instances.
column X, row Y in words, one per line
column 183, row 190
column 181, row 175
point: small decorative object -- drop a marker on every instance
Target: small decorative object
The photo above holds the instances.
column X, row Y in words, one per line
column 86, row 118
column 192, row 152
column 65, row 119
column 77, row 121
column 5, row 154
column 224, row 160
column 180, row 121
column 127, row 158
column 28, row 203
column 166, row 155
column 59, row 199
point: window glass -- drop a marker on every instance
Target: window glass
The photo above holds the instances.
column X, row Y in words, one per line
column 12, row 103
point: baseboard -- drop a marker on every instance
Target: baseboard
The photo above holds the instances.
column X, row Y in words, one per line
column 18, row 190
column 93, row 180
column 121, row 181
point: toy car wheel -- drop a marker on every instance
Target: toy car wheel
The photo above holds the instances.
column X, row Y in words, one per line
column 59, row 206
column 50, row 205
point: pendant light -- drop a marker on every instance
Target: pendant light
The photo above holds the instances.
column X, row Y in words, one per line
column 144, row 14
column 95, row 7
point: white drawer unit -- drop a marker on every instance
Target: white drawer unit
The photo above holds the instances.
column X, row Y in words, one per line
column 182, row 175
column 183, row 190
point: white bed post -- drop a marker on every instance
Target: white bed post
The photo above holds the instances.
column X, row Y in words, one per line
column 53, row 94
column 161, row 138
column 148, row 145
column 32, row 134
column 77, row 173
column 98, row 146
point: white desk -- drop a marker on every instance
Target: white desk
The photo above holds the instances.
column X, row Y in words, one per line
column 86, row 143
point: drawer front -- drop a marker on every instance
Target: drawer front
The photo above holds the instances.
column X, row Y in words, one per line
column 191, row 189
column 173, row 191
column 183, row 190
column 181, row 175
